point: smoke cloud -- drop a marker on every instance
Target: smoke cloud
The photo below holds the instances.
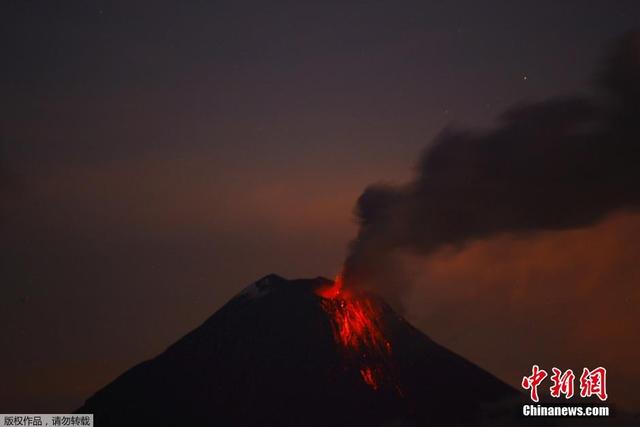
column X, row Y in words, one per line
column 560, row 164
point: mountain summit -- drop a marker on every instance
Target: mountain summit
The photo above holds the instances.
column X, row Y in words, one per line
column 283, row 353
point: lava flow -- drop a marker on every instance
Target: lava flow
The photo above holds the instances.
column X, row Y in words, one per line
column 355, row 319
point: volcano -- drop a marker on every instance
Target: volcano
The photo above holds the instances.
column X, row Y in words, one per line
column 300, row 352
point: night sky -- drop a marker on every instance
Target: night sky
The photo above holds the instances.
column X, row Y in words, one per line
column 157, row 157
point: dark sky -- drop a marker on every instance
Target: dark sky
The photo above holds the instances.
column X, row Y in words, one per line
column 156, row 157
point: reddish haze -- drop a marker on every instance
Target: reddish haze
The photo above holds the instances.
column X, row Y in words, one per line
column 567, row 299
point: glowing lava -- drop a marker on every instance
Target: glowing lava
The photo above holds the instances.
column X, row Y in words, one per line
column 367, row 376
column 355, row 319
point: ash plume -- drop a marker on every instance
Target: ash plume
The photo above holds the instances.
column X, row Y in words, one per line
column 558, row 164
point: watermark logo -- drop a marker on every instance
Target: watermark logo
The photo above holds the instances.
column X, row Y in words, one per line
column 562, row 383
column 531, row 383
column 592, row 382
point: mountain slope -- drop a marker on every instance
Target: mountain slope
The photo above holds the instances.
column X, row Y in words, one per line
column 269, row 357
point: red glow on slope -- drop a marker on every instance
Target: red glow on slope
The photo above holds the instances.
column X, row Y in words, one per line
column 367, row 376
column 355, row 319
column 331, row 291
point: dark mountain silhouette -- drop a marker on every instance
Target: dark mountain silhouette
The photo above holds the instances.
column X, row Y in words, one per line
column 268, row 357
